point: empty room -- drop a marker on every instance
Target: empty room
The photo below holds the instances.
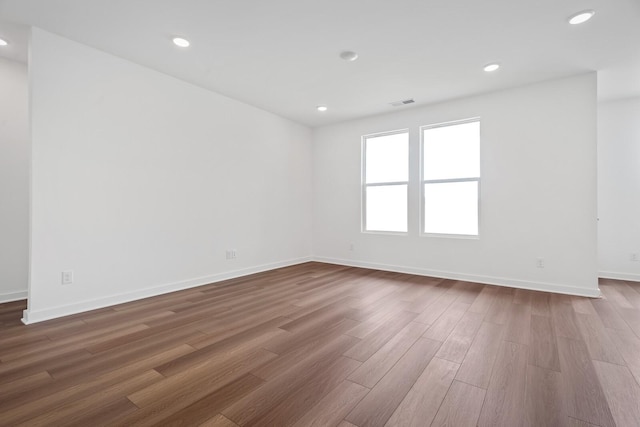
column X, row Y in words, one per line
column 350, row 213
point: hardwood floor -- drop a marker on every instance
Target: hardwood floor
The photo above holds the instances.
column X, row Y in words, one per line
column 325, row 345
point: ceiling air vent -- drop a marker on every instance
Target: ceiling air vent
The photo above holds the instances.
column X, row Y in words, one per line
column 403, row 102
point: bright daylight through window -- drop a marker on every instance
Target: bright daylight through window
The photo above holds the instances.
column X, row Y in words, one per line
column 386, row 181
column 451, row 178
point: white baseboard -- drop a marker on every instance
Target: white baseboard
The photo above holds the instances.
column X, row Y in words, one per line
column 12, row 296
column 30, row 316
column 631, row 277
column 499, row 281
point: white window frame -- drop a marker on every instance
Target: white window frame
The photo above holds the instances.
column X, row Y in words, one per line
column 363, row 207
column 441, row 181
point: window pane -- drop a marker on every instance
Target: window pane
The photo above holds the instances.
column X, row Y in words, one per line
column 452, row 151
column 386, row 208
column 387, row 158
column 451, row 208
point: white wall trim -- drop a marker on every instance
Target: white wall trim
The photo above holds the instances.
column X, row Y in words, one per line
column 30, row 317
column 12, row 296
column 633, row 277
column 489, row 280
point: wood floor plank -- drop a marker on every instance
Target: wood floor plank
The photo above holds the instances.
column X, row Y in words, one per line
column 379, row 337
column 243, row 342
column 629, row 347
column 439, row 306
column 522, row 296
column 11, row 388
column 378, row 406
column 200, row 411
column 382, row 316
column 477, row 365
column 378, row 295
column 441, row 328
column 608, row 315
column 182, row 389
column 20, row 344
column 218, row 421
column 518, row 326
column 484, row 300
column 628, row 292
column 318, row 318
column 564, row 321
column 584, row 396
column 574, row 422
column 56, row 393
column 615, row 297
column 22, row 368
column 632, row 317
column 277, row 389
column 277, row 348
column 467, row 291
column 544, row 403
column 334, row 406
column 457, row 344
column 583, row 305
column 371, row 371
column 597, row 339
column 543, row 351
column 82, row 333
column 162, row 399
column 541, row 304
column 622, row 392
column 124, row 338
column 499, row 310
column 504, row 400
column 434, row 291
column 139, row 350
column 296, row 405
column 298, row 397
column 461, row 406
column 421, row 404
column 86, row 407
column 288, row 342
column 287, row 360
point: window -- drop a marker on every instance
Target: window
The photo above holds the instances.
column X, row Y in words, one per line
column 451, row 178
column 385, row 181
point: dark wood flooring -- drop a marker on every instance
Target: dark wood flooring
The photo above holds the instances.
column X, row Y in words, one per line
column 325, row 345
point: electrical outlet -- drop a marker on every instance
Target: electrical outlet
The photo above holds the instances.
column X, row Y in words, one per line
column 67, row 277
column 231, row 254
column 635, row 257
column 540, row 262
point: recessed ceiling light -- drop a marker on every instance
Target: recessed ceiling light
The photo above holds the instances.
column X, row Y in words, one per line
column 182, row 42
column 322, row 108
column 581, row 17
column 491, row 67
column 3, row 42
column 347, row 55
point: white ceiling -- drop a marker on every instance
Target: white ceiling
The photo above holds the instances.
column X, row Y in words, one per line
column 282, row 55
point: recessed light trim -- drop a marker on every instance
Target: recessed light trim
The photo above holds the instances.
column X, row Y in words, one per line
column 3, row 42
column 489, row 68
column 581, row 17
column 322, row 108
column 181, row 42
column 348, row 55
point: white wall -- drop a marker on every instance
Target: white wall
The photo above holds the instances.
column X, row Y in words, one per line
column 538, row 191
column 14, row 180
column 141, row 182
column 619, row 189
